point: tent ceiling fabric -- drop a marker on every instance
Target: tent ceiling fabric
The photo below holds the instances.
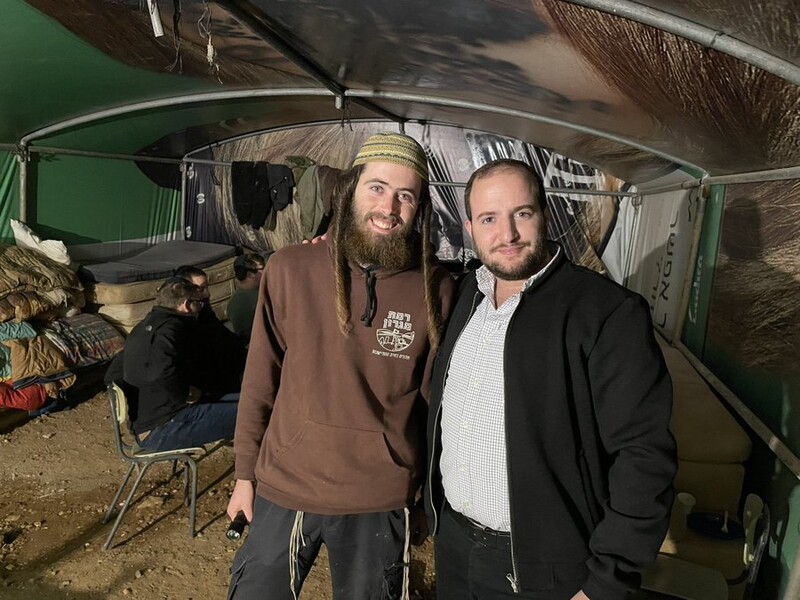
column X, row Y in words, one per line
column 617, row 94
column 769, row 26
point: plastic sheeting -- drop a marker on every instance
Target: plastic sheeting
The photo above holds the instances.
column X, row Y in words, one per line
column 579, row 223
column 660, row 253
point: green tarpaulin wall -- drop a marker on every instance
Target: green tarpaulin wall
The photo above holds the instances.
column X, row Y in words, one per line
column 89, row 201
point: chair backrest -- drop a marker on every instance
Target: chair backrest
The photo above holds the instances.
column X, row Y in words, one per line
column 126, row 443
column 753, row 509
column 756, row 522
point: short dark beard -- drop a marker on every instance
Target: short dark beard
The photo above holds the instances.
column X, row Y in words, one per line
column 390, row 252
column 535, row 263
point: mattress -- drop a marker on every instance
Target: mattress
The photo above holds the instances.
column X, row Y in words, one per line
column 139, row 291
column 157, row 262
column 126, row 316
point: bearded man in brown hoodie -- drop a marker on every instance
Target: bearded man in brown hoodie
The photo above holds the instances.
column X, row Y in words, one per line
column 329, row 439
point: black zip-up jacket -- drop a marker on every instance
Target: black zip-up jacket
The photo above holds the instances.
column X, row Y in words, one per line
column 590, row 456
column 161, row 360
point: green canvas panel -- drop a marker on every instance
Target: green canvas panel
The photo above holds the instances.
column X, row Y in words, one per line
column 84, row 200
column 59, row 59
column 9, row 195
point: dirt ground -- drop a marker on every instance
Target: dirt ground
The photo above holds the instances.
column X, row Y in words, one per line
column 58, row 474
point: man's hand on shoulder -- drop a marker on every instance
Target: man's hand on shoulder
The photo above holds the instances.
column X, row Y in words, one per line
column 318, row 239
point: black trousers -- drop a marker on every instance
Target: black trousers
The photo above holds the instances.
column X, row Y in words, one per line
column 365, row 552
column 472, row 569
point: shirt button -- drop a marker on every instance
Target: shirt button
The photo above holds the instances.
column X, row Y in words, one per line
column 464, row 424
column 462, row 468
column 467, row 504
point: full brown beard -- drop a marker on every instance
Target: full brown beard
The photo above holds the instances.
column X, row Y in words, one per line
column 389, row 252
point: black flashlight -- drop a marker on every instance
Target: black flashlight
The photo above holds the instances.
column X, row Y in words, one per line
column 236, row 528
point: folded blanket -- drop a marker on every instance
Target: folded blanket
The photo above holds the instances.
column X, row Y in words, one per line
column 84, row 339
column 31, row 283
column 31, row 398
column 35, row 357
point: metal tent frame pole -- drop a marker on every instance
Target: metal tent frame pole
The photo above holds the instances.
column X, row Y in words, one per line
column 23, row 157
column 705, row 36
column 128, row 109
column 106, row 155
column 779, row 174
column 511, row 112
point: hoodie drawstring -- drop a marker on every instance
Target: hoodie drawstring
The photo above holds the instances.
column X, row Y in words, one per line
column 369, row 306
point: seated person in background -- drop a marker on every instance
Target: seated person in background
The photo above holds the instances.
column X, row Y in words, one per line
column 199, row 278
column 242, row 306
column 222, row 352
column 162, row 361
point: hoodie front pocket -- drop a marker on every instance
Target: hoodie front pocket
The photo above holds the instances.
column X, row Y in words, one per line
column 340, row 463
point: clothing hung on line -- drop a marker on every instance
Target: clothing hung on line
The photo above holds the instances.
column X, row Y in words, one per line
column 259, row 190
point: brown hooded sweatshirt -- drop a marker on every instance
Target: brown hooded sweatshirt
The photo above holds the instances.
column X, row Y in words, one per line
column 330, row 424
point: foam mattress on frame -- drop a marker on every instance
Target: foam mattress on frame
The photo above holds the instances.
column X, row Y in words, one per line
column 140, row 291
column 126, row 304
column 158, row 262
column 126, row 316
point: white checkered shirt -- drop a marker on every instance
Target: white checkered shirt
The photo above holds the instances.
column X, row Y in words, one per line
column 473, row 461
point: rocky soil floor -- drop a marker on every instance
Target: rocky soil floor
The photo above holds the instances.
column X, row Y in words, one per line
column 57, row 475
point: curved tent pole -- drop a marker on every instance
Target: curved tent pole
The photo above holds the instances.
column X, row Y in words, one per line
column 705, row 36
column 120, row 111
column 127, row 109
column 511, row 112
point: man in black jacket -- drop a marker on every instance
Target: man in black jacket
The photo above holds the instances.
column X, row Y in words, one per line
column 221, row 353
column 551, row 460
column 170, row 406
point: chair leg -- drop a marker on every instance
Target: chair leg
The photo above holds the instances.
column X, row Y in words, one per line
column 125, row 506
column 113, row 504
column 192, row 465
column 186, row 476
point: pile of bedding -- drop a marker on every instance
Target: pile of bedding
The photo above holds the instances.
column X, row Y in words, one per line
column 38, row 359
column 31, row 284
column 44, row 339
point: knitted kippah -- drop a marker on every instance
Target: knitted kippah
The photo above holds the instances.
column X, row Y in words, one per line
column 394, row 148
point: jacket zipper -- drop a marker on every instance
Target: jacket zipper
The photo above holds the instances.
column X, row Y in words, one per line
column 439, row 412
column 512, row 577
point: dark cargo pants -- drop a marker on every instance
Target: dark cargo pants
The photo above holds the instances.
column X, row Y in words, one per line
column 366, row 554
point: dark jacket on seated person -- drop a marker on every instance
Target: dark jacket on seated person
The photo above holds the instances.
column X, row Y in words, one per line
column 160, row 359
column 221, row 355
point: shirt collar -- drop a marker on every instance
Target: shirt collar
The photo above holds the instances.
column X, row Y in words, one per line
column 487, row 280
